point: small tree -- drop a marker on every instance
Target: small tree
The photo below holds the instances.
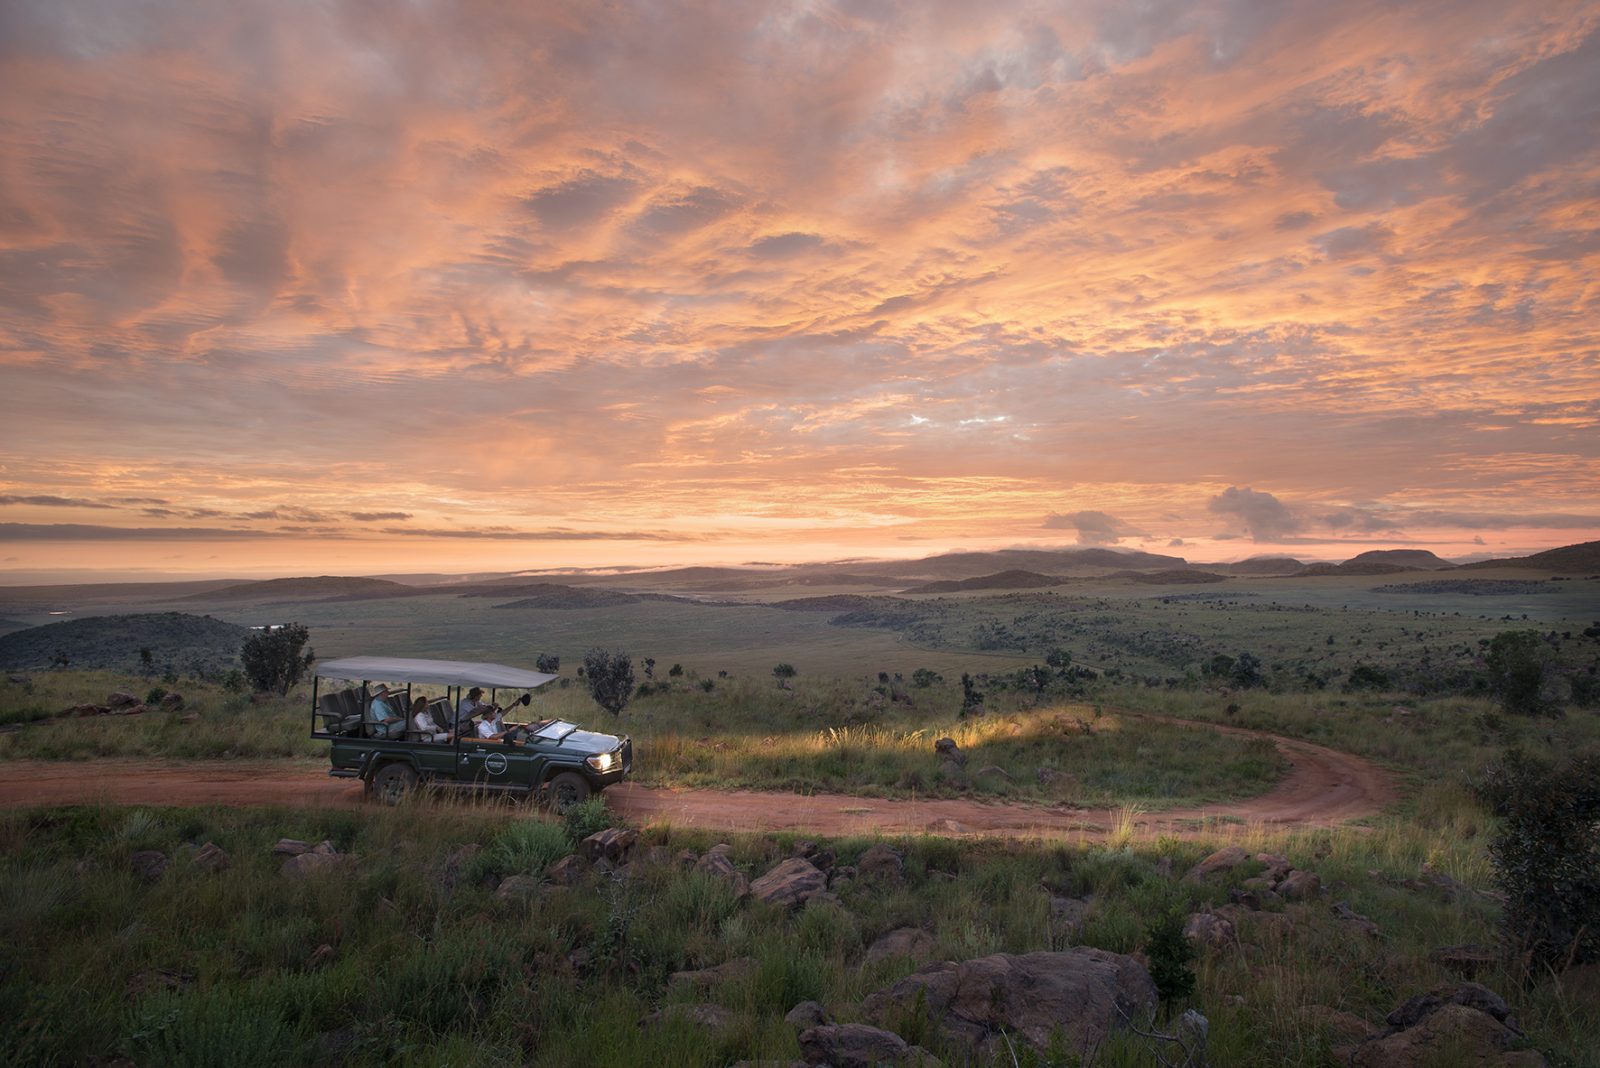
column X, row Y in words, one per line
column 971, row 696
column 610, row 677
column 1247, row 671
column 548, row 663
column 676, row 671
column 1058, row 658
column 275, row 658
column 147, row 661
column 1518, row 663
column 784, row 671
column 1170, row 954
column 922, row 678
column 649, row 663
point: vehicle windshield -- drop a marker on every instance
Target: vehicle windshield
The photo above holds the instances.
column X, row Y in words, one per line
column 555, row 730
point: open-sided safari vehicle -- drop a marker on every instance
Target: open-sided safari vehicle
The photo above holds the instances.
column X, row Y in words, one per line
column 393, row 758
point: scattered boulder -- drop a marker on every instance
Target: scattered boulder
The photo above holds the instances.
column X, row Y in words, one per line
column 568, row 871
column 1210, row 929
column 719, row 866
column 211, row 857
column 1082, row 993
column 612, row 844
column 912, row 943
column 790, row 883
column 1277, row 866
column 1470, row 1021
column 1299, row 885
column 1193, row 1032
column 950, row 751
column 325, row 848
column 1466, row 960
column 710, row 1017
column 737, row 969
column 290, row 847
column 806, row 1015
column 1047, row 776
column 1068, row 913
column 130, row 710
column 149, row 864
column 1345, row 1030
column 19, row 680
column 172, row 702
column 121, row 699
column 514, row 887
column 992, row 769
column 881, row 862
column 1225, row 860
column 302, row 864
column 860, row 1046
column 1355, row 920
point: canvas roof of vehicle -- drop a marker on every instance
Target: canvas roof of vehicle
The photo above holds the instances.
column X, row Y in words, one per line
column 433, row 672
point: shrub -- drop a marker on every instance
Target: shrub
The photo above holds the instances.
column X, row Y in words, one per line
column 1518, row 664
column 676, row 671
column 971, row 696
column 1367, row 677
column 548, row 663
column 1170, row 954
column 1246, row 672
column 526, row 847
column 610, row 677
column 276, row 658
column 587, row 818
column 1546, row 855
column 155, row 695
column 922, row 678
column 784, row 671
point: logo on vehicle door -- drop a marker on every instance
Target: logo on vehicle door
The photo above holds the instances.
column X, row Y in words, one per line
column 495, row 763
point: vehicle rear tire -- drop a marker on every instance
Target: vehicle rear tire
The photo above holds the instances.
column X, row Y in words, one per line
column 567, row 791
column 393, row 782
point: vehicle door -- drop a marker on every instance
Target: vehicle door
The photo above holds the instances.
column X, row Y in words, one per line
column 497, row 765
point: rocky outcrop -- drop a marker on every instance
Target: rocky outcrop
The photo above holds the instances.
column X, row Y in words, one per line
column 913, row 943
column 1210, row 929
column 1225, row 860
column 611, row 844
column 860, row 1046
column 718, row 866
column 211, row 857
column 790, row 883
column 881, row 862
column 806, row 1015
column 947, row 749
column 1468, row 1022
column 148, row 864
column 1084, row 994
column 705, row 978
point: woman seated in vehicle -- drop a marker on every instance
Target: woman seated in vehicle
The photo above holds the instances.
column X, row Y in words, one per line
column 422, row 722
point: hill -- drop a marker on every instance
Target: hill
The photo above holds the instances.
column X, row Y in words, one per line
column 1002, row 580
column 1410, row 559
column 1580, row 559
column 1349, row 568
column 551, row 595
column 1180, row 576
column 1260, row 565
column 955, row 566
column 320, row 588
column 175, row 639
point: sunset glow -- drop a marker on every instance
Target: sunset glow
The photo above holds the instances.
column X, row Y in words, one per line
column 363, row 288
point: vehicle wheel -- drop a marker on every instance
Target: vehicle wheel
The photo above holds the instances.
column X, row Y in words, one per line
column 392, row 782
column 568, row 790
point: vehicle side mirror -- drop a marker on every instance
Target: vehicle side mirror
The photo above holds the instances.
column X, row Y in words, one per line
column 527, row 699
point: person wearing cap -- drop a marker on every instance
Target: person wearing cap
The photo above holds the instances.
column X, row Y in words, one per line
column 382, row 720
column 470, row 706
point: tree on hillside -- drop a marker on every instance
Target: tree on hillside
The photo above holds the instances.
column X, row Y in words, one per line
column 784, row 671
column 610, row 677
column 275, row 658
column 548, row 663
column 1519, row 667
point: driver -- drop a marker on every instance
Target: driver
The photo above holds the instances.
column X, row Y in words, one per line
column 492, row 727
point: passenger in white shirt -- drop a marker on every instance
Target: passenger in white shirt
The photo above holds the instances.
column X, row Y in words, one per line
column 422, row 722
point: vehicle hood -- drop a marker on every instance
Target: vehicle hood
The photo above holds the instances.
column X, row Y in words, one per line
column 589, row 742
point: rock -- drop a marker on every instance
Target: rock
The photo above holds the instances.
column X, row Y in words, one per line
column 1047, row 776
column 1466, row 960
column 1083, row 993
column 568, row 871
column 806, row 1015
column 718, row 865
column 515, row 887
column 951, row 769
column 912, row 943
column 612, row 844
column 949, row 750
column 303, row 864
column 790, row 883
column 1277, row 866
column 1225, row 859
column 1209, row 929
column 1471, row 995
column 1300, row 885
column 721, row 847
column 1345, row 1030
column 1068, row 913
column 686, row 858
column 319, row 956
column 19, row 680
column 817, row 901
column 211, row 857
column 172, row 702
column 1257, row 884
column 290, row 847
column 737, row 969
column 881, row 862
column 1472, row 1037
column 1193, row 1031
column 992, row 769
column 121, row 699
column 859, row 1046
column 1355, row 920
column 130, row 710
column 148, row 864
column 710, row 1017
column 325, row 848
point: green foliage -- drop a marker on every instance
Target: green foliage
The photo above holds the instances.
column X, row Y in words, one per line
column 784, row 671
column 1058, row 658
column 1170, row 956
column 276, row 658
column 225, row 1028
column 971, row 696
column 610, row 677
column 1518, row 664
column 1246, row 672
column 155, row 695
column 922, row 678
column 1367, row 677
column 526, row 847
column 676, row 671
column 548, row 663
column 589, row 817
column 1547, row 854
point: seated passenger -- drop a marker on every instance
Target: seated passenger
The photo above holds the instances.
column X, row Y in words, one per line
column 422, row 722
column 468, row 707
column 492, row 728
column 382, row 720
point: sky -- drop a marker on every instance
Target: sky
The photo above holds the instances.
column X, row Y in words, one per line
column 367, row 287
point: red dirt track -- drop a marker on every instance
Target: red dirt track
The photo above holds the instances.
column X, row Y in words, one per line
column 1323, row 788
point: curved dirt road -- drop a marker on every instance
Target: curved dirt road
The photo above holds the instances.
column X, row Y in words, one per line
column 1324, row 787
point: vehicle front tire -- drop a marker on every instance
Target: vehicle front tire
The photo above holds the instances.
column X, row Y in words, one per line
column 567, row 791
column 393, row 782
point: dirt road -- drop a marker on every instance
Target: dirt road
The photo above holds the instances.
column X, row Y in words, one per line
column 1324, row 787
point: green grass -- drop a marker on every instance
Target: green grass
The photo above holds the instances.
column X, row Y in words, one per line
column 202, row 968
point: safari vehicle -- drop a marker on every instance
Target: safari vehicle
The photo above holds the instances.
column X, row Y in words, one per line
column 566, row 763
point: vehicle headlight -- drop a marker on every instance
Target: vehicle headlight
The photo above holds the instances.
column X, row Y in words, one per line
column 601, row 761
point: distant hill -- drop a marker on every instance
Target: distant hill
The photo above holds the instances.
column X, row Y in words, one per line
column 550, row 595
column 320, row 588
column 1580, row 559
column 1349, row 568
column 839, row 602
column 1180, row 576
column 1411, row 559
column 954, row 566
column 1003, row 580
column 176, row 639
column 1260, row 565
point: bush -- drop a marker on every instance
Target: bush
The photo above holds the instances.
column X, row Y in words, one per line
column 526, row 847
column 1170, row 954
column 922, row 678
column 784, row 671
column 548, row 663
column 1546, row 856
column 1518, row 663
column 1246, row 672
column 610, row 677
column 589, row 817
column 273, row 659
column 1367, row 677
